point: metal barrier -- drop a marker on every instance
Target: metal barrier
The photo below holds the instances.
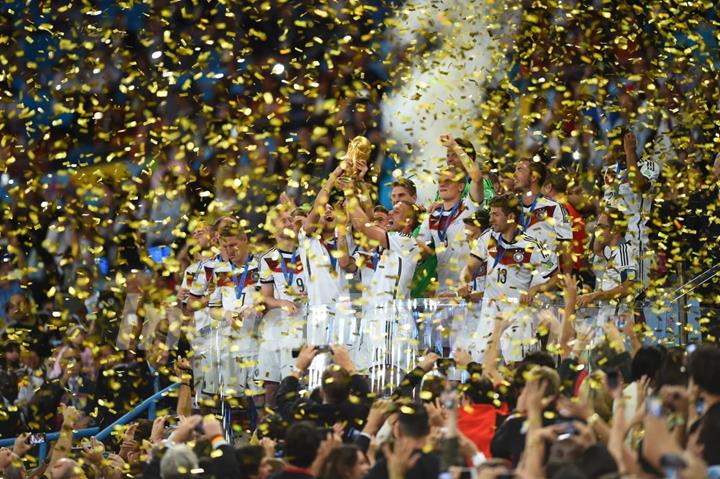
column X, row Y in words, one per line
column 384, row 340
column 95, row 431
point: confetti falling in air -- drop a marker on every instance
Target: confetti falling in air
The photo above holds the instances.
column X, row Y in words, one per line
column 124, row 126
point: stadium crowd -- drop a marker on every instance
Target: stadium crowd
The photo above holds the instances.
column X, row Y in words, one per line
column 267, row 280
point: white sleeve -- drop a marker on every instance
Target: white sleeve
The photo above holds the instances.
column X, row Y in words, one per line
column 424, row 234
column 546, row 263
column 479, row 249
column 470, row 205
column 627, row 264
column 562, row 224
column 649, row 169
column 400, row 243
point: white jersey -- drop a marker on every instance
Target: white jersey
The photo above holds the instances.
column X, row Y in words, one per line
column 513, row 267
column 616, row 265
column 326, row 280
column 366, row 262
column 393, row 277
column 618, row 194
column 231, row 348
column 286, row 272
column 546, row 221
column 477, row 285
column 200, row 279
column 239, row 285
column 444, row 230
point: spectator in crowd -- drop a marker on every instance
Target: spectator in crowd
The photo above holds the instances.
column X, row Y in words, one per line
column 345, row 462
column 343, row 395
column 411, row 430
column 303, row 441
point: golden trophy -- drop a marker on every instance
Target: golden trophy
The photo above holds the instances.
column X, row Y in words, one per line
column 357, row 156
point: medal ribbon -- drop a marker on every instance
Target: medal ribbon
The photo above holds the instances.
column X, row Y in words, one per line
column 240, row 286
column 288, row 275
column 376, row 258
column 442, row 228
column 330, row 247
column 499, row 256
column 523, row 221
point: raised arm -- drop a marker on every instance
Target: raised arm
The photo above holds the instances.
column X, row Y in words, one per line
column 360, row 220
column 64, row 443
column 183, row 371
column 345, row 260
column 491, row 354
column 365, row 196
column 533, row 456
column 477, row 188
column 310, row 224
column 638, row 182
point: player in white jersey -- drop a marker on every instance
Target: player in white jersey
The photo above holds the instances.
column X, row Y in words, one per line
column 615, row 266
column 327, row 285
column 541, row 217
column 401, row 253
column 284, row 289
column 238, row 280
column 363, row 262
column 199, row 247
column 363, row 265
column 200, row 298
column 443, row 230
column 629, row 187
column 391, row 280
column 476, row 226
column 518, row 269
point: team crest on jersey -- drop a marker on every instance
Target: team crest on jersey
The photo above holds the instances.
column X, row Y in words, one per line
column 255, row 276
column 519, row 256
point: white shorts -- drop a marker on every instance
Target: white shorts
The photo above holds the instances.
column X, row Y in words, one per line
column 387, row 338
column 517, row 340
column 273, row 364
column 467, row 333
column 280, row 333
